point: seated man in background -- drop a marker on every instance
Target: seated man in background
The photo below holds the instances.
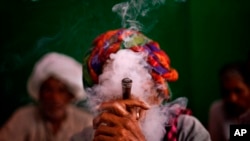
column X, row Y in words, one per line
column 145, row 114
column 54, row 84
column 235, row 102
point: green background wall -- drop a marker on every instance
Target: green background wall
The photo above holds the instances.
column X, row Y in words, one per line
column 198, row 35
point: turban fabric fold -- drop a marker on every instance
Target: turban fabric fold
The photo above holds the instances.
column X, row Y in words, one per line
column 114, row 40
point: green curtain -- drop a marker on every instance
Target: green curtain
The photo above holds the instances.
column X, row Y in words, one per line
column 199, row 36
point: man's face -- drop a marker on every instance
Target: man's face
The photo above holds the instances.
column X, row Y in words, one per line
column 236, row 92
column 54, row 98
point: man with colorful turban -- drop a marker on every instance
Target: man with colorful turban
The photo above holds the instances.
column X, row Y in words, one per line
column 147, row 114
column 54, row 84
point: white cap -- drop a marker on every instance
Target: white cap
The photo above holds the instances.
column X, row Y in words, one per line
column 60, row 66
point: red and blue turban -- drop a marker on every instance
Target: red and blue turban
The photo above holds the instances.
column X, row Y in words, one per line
column 114, row 40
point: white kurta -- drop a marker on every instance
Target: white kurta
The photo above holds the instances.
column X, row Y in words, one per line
column 26, row 124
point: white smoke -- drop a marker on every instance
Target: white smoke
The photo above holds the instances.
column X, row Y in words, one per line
column 158, row 117
column 125, row 63
column 153, row 126
column 131, row 10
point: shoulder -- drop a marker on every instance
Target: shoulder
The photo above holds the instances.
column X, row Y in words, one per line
column 217, row 106
column 23, row 117
column 217, row 112
column 190, row 129
column 25, row 111
column 189, row 121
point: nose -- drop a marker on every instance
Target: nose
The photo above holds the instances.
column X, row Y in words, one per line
column 233, row 98
column 56, row 96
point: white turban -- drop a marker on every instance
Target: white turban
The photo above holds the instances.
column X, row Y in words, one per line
column 60, row 66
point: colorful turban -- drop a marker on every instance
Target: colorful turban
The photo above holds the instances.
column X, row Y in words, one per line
column 114, row 40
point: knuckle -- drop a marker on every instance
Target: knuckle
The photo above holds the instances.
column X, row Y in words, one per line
column 122, row 132
column 100, row 118
column 119, row 138
column 103, row 115
column 118, row 107
column 127, row 122
column 116, row 104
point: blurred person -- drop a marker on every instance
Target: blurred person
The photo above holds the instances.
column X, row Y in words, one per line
column 147, row 115
column 54, row 84
column 235, row 103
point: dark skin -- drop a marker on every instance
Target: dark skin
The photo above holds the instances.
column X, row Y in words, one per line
column 121, row 123
column 236, row 93
column 54, row 98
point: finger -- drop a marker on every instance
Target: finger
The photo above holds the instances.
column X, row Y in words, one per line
column 141, row 113
column 121, row 127
column 134, row 112
column 107, row 118
column 115, row 107
column 121, row 105
column 104, row 138
column 110, row 131
column 135, row 103
column 116, row 133
column 105, row 130
column 117, row 138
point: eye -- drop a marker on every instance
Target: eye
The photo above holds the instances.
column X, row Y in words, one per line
column 63, row 90
column 45, row 89
column 238, row 90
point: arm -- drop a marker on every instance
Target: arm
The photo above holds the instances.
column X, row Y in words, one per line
column 215, row 122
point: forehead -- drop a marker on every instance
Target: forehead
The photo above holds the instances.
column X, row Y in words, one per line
column 232, row 75
column 232, row 78
column 234, row 82
column 53, row 81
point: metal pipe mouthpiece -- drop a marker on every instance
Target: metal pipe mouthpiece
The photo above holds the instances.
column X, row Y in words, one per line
column 126, row 87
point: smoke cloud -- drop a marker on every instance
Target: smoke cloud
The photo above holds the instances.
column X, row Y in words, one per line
column 125, row 63
column 132, row 10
